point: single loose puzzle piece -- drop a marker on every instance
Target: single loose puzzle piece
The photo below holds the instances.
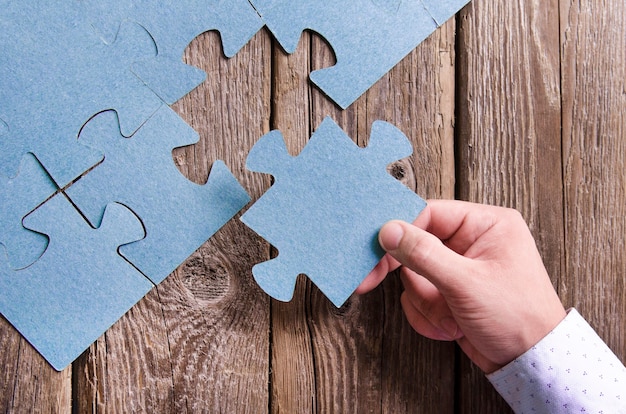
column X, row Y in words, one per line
column 173, row 25
column 369, row 37
column 19, row 196
column 56, row 74
column 79, row 287
column 326, row 206
column 178, row 215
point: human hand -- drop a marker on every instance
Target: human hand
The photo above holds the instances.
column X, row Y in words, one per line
column 471, row 273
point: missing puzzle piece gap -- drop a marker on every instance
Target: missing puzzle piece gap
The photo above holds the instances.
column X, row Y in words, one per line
column 368, row 37
column 326, row 206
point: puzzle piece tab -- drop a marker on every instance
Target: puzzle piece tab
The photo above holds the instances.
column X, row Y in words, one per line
column 326, row 206
column 173, row 25
column 369, row 37
column 56, row 74
column 79, row 287
column 179, row 215
column 19, row 196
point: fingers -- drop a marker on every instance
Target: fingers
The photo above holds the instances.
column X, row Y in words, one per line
column 386, row 265
column 459, row 223
column 426, row 309
column 423, row 252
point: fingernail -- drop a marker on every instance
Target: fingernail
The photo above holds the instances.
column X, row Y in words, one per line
column 390, row 236
column 450, row 326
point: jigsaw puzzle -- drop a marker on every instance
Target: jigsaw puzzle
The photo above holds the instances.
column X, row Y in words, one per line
column 19, row 196
column 369, row 37
column 79, row 287
column 178, row 215
column 60, row 73
column 173, row 25
column 326, row 206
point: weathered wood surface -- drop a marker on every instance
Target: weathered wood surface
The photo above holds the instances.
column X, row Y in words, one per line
column 508, row 129
column 521, row 104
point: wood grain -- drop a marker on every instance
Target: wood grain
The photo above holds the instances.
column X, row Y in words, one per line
column 293, row 380
column 27, row 382
column 199, row 342
column 593, row 47
column 519, row 104
column 508, row 148
column 364, row 357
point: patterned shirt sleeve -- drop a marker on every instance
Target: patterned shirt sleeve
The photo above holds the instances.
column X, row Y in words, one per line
column 571, row 370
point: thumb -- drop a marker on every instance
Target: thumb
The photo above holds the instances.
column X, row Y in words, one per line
column 423, row 253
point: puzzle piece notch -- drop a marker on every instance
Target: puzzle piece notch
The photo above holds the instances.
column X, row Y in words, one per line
column 173, row 28
column 179, row 215
column 19, row 196
column 368, row 38
column 326, row 206
column 61, row 74
column 79, row 287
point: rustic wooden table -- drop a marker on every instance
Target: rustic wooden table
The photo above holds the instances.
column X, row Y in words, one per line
column 514, row 103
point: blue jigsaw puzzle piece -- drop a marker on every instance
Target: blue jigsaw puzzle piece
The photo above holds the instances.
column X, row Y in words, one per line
column 369, row 37
column 4, row 128
column 179, row 215
column 19, row 196
column 56, row 74
column 173, row 25
column 326, row 206
column 79, row 287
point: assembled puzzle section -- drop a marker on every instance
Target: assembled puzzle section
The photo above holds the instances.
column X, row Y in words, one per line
column 173, row 25
column 61, row 74
column 19, row 196
column 178, row 215
column 79, row 287
column 368, row 37
column 326, row 206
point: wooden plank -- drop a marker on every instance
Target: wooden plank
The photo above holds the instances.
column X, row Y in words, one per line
column 126, row 369
column 508, row 148
column 593, row 37
column 364, row 357
column 418, row 97
column 27, row 382
column 292, row 380
column 220, row 351
column 199, row 342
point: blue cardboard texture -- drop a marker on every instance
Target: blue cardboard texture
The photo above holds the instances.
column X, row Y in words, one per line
column 60, row 74
column 326, row 206
column 178, row 215
column 4, row 128
column 79, row 287
column 368, row 37
column 442, row 10
column 173, row 25
column 19, row 196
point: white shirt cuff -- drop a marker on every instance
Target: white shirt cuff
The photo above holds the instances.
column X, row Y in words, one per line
column 571, row 370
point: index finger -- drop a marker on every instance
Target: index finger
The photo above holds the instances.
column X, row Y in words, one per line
column 457, row 223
